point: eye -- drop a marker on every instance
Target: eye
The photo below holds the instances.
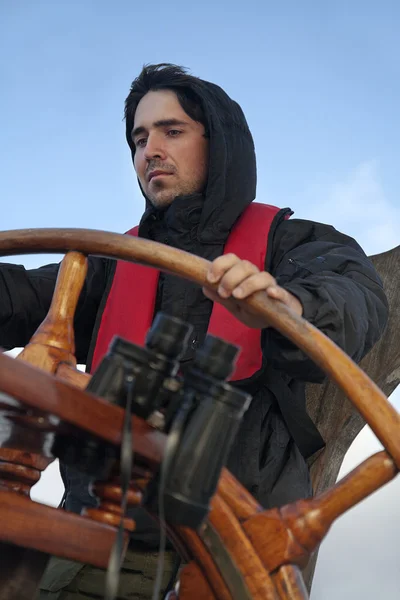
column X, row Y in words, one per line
column 173, row 132
column 140, row 142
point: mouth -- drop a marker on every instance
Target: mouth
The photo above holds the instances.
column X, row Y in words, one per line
column 156, row 174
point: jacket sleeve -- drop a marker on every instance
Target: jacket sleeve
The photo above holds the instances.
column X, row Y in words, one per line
column 338, row 287
column 25, row 297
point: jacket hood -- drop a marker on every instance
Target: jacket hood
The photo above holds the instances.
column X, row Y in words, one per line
column 231, row 184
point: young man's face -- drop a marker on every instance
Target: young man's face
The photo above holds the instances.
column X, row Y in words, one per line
column 171, row 156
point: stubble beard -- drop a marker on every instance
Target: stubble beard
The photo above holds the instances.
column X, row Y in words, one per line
column 161, row 197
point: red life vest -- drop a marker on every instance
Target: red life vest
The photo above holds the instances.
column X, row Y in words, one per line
column 129, row 310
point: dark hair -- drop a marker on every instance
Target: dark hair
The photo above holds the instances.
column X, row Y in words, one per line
column 164, row 76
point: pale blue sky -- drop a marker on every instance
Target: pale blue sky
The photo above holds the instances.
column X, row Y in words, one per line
column 320, row 88
column 319, row 84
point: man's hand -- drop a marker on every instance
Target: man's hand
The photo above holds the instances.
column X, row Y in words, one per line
column 239, row 279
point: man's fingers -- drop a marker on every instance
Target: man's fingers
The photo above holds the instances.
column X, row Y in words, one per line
column 237, row 276
column 239, row 279
column 215, row 297
column 277, row 293
column 255, row 283
column 220, row 265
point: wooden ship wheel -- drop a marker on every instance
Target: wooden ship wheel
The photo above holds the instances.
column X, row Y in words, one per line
column 240, row 551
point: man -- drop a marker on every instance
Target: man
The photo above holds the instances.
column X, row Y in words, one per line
column 194, row 158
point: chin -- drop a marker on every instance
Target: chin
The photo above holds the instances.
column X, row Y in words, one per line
column 161, row 201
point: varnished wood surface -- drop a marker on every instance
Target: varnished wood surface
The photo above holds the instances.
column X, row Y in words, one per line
column 54, row 341
column 367, row 397
column 336, row 417
column 247, row 561
column 109, row 494
column 289, row 534
column 310, row 520
column 242, row 504
column 193, row 584
column 292, row 533
column 289, row 583
column 41, row 391
column 77, row 378
column 35, row 526
column 205, row 561
column 19, row 470
column 277, row 545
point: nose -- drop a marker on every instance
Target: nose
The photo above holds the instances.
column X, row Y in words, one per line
column 154, row 148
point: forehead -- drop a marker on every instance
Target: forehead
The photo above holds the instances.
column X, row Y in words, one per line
column 156, row 106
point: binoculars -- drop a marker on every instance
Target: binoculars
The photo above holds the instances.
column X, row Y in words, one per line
column 198, row 410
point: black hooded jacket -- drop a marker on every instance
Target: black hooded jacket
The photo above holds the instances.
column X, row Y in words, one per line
column 328, row 272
